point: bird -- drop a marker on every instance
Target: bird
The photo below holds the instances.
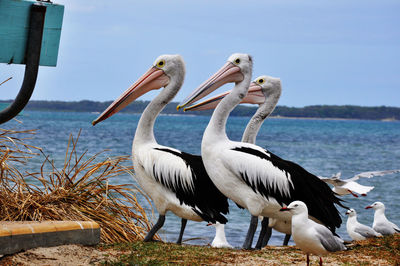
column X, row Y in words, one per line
column 356, row 230
column 219, row 240
column 350, row 186
column 264, row 91
column 381, row 224
column 309, row 236
column 251, row 176
column 176, row 181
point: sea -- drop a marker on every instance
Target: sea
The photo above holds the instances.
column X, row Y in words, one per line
column 323, row 147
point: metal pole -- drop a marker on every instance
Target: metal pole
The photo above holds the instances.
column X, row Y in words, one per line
column 32, row 57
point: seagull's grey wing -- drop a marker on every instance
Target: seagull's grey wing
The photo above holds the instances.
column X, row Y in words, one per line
column 365, row 231
column 384, row 229
column 373, row 173
column 336, row 181
column 330, row 242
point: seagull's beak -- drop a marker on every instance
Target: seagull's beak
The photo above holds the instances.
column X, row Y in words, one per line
column 254, row 96
column 347, row 212
column 285, row 209
column 228, row 73
column 153, row 79
column 368, row 207
column 209, row 224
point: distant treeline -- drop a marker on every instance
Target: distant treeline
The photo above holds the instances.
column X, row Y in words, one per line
column 314, row 111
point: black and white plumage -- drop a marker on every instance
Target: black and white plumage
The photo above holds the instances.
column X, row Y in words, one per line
column 381, row 224
column 350, row 186
column 309, row 236
column 176, row 181
column 356, row 230
column 249, row 175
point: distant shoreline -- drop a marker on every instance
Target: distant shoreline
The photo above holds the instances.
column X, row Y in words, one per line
column 326, row 112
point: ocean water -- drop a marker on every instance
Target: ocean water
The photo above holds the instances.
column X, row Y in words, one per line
column 323, row 147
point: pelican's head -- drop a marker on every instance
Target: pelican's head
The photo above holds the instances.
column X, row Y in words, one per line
column 260, row 89
column 235, row 70
column 351, row 213
column 165, row 70
column 296, row 207
column 376, row 206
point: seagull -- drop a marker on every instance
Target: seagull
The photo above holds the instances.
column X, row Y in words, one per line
column 176, row 181
column 381, row 223
column 349, row 186
column 249, row 175
column 356, row 230
column 219, row 239
column 309, row 236
column 264, row 91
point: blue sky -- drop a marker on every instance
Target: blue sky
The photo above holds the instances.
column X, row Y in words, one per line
column 325, row 52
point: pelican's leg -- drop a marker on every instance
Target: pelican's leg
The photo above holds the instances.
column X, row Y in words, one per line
column 264, row 226
column 267, row 237
column 156, row 227
column 250, row 233
column 183, row 225
column 286, row 240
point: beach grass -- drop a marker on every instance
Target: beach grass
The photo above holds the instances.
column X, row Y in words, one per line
column 78, row 189
column 379, row 251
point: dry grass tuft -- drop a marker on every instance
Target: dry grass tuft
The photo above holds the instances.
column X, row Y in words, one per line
column 79, row 190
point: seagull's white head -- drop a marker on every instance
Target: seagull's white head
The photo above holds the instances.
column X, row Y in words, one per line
column 376, row 206
column 351, row 213
column 296, row 207
column 167, row 69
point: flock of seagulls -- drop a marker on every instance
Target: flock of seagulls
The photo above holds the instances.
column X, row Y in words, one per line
column 287, row 197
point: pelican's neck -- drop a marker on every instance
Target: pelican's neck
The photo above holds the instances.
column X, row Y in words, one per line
column 217, row 123
column 145, row 128
column 255, row 123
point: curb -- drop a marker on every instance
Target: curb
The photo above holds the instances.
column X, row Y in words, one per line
column 17, row 236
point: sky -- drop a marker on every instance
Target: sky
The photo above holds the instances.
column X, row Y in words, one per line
column 325, row 52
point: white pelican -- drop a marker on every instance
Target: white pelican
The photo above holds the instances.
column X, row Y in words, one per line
column 381, row 224
column 251, row 176
column 309, row 236
column 264, row 91
column 350, row 186
column 176, row 181
column 356, row 230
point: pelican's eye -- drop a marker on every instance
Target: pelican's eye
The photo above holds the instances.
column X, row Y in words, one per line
column 237, row 61
column 161, row 63
column 261, row 81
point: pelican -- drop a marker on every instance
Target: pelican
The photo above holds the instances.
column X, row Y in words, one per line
column 264, row 91
column 176, row 181
column 251, row 176
column 350, row 186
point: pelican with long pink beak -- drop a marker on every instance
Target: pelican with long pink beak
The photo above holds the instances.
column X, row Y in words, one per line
column 175, row 181
column 249, row 175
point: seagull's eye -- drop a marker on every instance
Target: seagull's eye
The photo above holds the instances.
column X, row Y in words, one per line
column 237, row 61
column 261, row 81
column 161, row 63
column 296, row 205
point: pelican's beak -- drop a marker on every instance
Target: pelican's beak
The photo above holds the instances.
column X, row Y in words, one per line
column 285, row 209
column 153, row 79
column 368, row 207
column 254, row 96
column 228, row 73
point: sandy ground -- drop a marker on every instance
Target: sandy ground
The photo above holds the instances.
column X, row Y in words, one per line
column 80, row 255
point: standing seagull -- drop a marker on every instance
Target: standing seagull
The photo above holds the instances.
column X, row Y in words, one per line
column 309, row 236
column 264, row 91
column 356, row 230
column 381, row 223
column 176, row 181
column 251, row 176
column 350, row 186
column 219, row 240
